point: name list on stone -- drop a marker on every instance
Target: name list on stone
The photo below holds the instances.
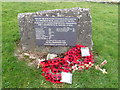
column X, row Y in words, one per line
column 55, row 31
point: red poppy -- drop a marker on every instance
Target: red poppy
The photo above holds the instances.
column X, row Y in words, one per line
column 43, row 74
column 58, row 65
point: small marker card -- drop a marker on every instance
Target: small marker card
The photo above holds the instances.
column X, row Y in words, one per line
column 85, row 51
column 66, row 77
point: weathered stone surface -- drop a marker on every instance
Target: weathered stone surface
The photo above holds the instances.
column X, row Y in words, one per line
column 84, row 31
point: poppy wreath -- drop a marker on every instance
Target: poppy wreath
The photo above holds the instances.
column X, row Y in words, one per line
column 52, row 68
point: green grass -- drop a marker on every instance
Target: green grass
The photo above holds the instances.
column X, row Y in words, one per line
column 16, row 73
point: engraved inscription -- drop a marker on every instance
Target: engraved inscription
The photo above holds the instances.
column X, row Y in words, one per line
column 55, row 31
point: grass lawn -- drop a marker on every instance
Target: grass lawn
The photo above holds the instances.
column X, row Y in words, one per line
column 16, row 73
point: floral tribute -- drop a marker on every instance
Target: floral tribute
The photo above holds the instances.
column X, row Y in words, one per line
column 72, row 60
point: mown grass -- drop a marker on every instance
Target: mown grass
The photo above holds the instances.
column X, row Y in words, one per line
column 16, row 73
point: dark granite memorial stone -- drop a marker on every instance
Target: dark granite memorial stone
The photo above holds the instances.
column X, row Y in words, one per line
column 55, row 31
